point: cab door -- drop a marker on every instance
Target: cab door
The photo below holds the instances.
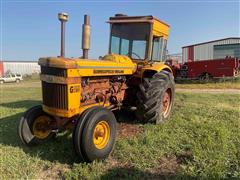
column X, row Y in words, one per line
column 159, row 49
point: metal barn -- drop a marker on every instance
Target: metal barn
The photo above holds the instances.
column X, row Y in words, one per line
column 217, row 49
column 21, row 67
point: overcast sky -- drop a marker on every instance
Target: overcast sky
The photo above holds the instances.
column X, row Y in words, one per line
column 30, row 29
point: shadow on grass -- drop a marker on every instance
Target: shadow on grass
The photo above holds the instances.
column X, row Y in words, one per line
column 125, row 116
column 133, row 173
column 21, row 104
column 59, row 149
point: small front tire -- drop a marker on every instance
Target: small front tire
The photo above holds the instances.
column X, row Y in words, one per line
column 96, row 138
column 34, row 126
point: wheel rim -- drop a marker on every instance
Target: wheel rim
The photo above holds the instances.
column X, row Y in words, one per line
column 41, row 127
column 101, row 134
column 166, row 102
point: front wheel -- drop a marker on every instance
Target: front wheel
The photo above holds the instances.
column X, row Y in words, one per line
column 34, row 126
column 155, row 98
column 95, row 134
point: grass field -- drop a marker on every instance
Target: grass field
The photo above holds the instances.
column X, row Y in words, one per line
column 201, row 141
column 222, row 83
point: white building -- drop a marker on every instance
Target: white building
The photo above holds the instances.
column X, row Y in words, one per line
column 21, row 67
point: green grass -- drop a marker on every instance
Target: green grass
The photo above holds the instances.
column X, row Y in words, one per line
column 201, row 140
column 32, row 77
column 222, row 83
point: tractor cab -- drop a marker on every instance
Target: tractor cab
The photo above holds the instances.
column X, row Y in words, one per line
column 141, row 38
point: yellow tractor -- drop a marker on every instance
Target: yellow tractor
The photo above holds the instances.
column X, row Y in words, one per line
column 81, row 93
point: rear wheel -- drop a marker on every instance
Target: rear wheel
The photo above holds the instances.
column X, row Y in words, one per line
column 95, row 137
column 205, row 77
column 155, row 98
column 34, row 126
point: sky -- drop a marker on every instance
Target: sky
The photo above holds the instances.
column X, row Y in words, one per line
column 30, row 29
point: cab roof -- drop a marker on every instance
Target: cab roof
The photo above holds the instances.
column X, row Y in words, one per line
column 160, row 28
column 121, row 18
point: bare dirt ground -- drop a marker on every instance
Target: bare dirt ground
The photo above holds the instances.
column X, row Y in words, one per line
column 127, row 125
column 126, row 130
column 232, row 91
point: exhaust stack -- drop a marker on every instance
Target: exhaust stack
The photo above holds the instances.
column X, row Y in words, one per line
column 63, row 18
column 86, row 36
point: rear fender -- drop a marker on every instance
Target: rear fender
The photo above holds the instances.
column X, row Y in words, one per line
column 150, row 70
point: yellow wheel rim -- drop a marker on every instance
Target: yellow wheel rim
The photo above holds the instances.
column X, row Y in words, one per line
column 101, row 134
column 40, row 125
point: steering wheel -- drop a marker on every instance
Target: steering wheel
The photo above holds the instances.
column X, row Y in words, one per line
column 134, row 54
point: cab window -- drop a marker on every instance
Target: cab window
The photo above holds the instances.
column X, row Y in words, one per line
column 159, row 48
column 130, row 39
column 115, row 42
column 138, row 49
column 124, row 47
column 156, row 49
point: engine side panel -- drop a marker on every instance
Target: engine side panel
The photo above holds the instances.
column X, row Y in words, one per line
column 86, row 83
column 69, row 96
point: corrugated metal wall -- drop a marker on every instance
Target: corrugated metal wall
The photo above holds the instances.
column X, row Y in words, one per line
column 21, row 67
column 185, row 55
column 205, row 51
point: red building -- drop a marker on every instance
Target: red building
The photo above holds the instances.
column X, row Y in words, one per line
column 1, row 68
column 218, row 58
column 217, row 49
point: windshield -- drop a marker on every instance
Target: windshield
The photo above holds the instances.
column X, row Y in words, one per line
column 130, row 39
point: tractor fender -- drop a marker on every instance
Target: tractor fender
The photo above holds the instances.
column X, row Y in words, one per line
column 151, row 69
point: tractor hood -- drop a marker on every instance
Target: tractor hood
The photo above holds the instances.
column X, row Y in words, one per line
column 110, row 64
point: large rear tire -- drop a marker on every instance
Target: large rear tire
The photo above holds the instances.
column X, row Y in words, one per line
column 34, row 127
column 155, row 98
column 95, row 134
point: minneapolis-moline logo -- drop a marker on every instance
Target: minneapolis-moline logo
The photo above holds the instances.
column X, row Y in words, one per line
column 108, row 71
column 74, row 89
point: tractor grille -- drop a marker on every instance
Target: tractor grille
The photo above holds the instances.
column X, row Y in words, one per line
column 55, row 95
column 54, row 71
